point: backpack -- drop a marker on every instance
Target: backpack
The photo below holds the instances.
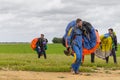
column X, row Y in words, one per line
column 33, row 43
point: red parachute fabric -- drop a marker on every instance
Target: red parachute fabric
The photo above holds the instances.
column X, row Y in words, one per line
column 86, row 51
column 33, row 43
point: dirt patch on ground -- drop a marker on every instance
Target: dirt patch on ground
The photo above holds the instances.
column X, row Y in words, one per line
column 29, row 75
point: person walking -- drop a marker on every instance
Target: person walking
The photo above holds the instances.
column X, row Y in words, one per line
column 41, row 46
column 112, row 34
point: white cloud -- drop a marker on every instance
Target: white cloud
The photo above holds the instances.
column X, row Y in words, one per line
column 22, row 20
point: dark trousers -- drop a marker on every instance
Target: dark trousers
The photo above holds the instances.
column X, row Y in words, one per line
column 41, row 52
column 92, row 57
column 114, row 56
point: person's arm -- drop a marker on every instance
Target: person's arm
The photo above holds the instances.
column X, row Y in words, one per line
column 47, row 40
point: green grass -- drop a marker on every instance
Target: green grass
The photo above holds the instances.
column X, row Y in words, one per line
column 31, row 62
column 21, row 57
column 118, row 51
column 25, row 48
column 15, row 48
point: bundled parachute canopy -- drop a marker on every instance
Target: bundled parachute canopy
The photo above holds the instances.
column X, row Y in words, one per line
column 105, row 47
column 33, row 43
column 89, row 51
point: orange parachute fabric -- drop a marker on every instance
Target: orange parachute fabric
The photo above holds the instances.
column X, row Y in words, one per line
column 86, row 51
column 33, row 43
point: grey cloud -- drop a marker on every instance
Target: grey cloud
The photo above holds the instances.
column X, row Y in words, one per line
column 92, row 3
column 9, row 7
column 29, row 18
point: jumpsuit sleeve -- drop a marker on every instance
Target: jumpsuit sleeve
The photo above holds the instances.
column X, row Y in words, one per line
column 69, row 37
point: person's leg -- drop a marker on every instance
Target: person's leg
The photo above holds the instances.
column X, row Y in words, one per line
column 92, row 57
column 114, row 55
column 77, row 60
column 38, row 55
column 107, row 59
column 38, row 52
column 83, row 56
column 45, row 57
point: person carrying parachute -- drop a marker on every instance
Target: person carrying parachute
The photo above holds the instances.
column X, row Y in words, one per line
column 113, row 36
column 74, row 42
column 108, row 46
column 90, row 38
column 80, row 39
column 40, row 46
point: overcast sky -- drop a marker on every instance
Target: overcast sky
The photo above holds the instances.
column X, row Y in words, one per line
column 23, row 20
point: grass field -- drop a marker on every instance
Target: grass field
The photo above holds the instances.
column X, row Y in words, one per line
column 22, row 57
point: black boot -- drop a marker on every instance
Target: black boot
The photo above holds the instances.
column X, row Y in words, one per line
column 38, row 55
column 107, row 58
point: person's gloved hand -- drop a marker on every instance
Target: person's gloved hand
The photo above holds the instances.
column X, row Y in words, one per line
column 68, row 48
column 68, row 51
column 39, row 49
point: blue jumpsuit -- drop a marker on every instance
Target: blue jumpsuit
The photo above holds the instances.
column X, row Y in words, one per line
column 74, row 39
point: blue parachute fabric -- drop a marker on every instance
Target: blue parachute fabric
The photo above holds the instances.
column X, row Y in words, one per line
column 91, row 41
column 71, row 24
column 106, row 35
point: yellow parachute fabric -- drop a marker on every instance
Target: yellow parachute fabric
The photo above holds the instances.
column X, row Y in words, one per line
column 105, row 47
column 106, row 43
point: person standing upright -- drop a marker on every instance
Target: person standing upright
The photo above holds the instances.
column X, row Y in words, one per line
column 41, row 46
column 112, row 34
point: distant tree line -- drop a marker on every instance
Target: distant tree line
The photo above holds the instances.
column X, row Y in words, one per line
column 57, row 40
